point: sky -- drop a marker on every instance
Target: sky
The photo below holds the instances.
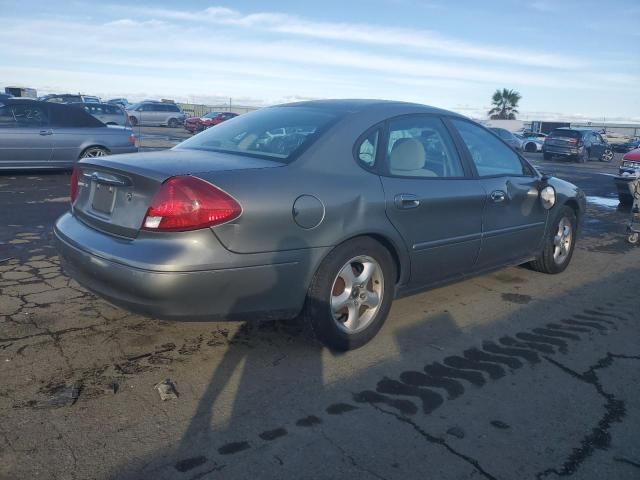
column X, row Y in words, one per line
column 576, row 60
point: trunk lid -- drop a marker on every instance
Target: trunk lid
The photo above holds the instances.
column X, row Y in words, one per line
column 114, row 192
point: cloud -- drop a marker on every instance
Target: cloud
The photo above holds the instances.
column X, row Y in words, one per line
column 416, row 40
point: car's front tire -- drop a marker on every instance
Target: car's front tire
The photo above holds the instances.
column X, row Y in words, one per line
column 173, row 123
column 351, row 293
column 133, row 120
column 559, row 243
column 607, row 155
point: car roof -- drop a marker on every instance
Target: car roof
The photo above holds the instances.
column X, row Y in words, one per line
column 577, row 129
column 360, row 105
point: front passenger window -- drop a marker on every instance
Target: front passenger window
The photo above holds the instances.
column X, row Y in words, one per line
column 490, row 156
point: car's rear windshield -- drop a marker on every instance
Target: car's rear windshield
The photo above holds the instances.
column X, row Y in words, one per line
column 566, row 133
column 276, row 133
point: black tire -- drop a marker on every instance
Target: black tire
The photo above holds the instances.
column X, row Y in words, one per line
column 547, row 156
column 546, row 263
column 625, row 200
column 530, row 147
column 607, row 156
column 133, row 120
column 173, row 123
column 317, row 312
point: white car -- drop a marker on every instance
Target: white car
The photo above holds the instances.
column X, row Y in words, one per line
column 532, row 142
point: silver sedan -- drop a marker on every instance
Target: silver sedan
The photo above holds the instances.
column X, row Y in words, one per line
column 350, row 204
column 41, row 135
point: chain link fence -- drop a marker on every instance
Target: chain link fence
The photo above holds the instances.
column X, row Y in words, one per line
column 198, row 110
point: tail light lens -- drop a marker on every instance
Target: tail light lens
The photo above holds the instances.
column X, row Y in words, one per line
column 188, row 203
column 73, row 185
column 132, row 139
column 573, row 141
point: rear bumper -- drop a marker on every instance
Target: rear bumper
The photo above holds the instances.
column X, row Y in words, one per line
column 272, row 290
column 561, row 151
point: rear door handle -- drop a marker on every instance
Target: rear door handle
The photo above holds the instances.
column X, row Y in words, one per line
column 46, row 132
column 406, row 200
column 498, row 196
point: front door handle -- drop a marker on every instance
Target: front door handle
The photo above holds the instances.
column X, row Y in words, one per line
column 406, row 200
column 498, row 196
column 46, row 132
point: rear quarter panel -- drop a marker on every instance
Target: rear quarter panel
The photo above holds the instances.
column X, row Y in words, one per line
column 353, row 199
column 69, row 143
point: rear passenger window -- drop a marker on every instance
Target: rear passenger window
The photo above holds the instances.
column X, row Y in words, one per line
column 29, row 116
column 420, row 146
column 490, row 155
column 369, row 148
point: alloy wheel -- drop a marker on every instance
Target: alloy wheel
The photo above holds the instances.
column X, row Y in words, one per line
column 562, row 241
column 356, row 294
column 607, row 156
column 94, row 152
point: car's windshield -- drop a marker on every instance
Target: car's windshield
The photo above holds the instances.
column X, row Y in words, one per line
column 276, row 133
column 211, row 115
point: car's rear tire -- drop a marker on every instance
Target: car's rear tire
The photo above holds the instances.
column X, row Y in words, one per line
column 559, row 243
column 607, row 155
column 530, row 147
column 351, row 293
column 133, row 120
column 173, row 123
column 547, row 156
column 93, row 152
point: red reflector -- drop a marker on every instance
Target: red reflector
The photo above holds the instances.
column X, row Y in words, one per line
column 188, row 203
column 73, row 185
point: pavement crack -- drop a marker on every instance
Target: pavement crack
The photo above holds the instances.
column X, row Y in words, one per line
column 599, row 437
column 350, row 458
column 438, row 441
column 627, row 461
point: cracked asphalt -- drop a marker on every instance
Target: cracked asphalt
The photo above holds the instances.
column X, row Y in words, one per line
column 513, row 375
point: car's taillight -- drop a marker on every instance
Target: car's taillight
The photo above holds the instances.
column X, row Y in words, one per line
column 188, row 203
column 73, row 185
column 132, row 139
column 573, row 141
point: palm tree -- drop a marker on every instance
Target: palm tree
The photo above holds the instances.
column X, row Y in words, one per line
column 505, row 105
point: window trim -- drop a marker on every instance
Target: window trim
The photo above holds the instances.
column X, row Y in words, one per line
column 384, row 171
column 526, row 166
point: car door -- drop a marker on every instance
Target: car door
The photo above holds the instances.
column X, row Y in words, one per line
column 431, row 197
column 598, row 146
column 513, row 220
column 25, row 136
column 146, row 114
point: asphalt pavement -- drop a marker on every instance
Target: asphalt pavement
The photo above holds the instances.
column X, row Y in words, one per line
column 512, row 375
